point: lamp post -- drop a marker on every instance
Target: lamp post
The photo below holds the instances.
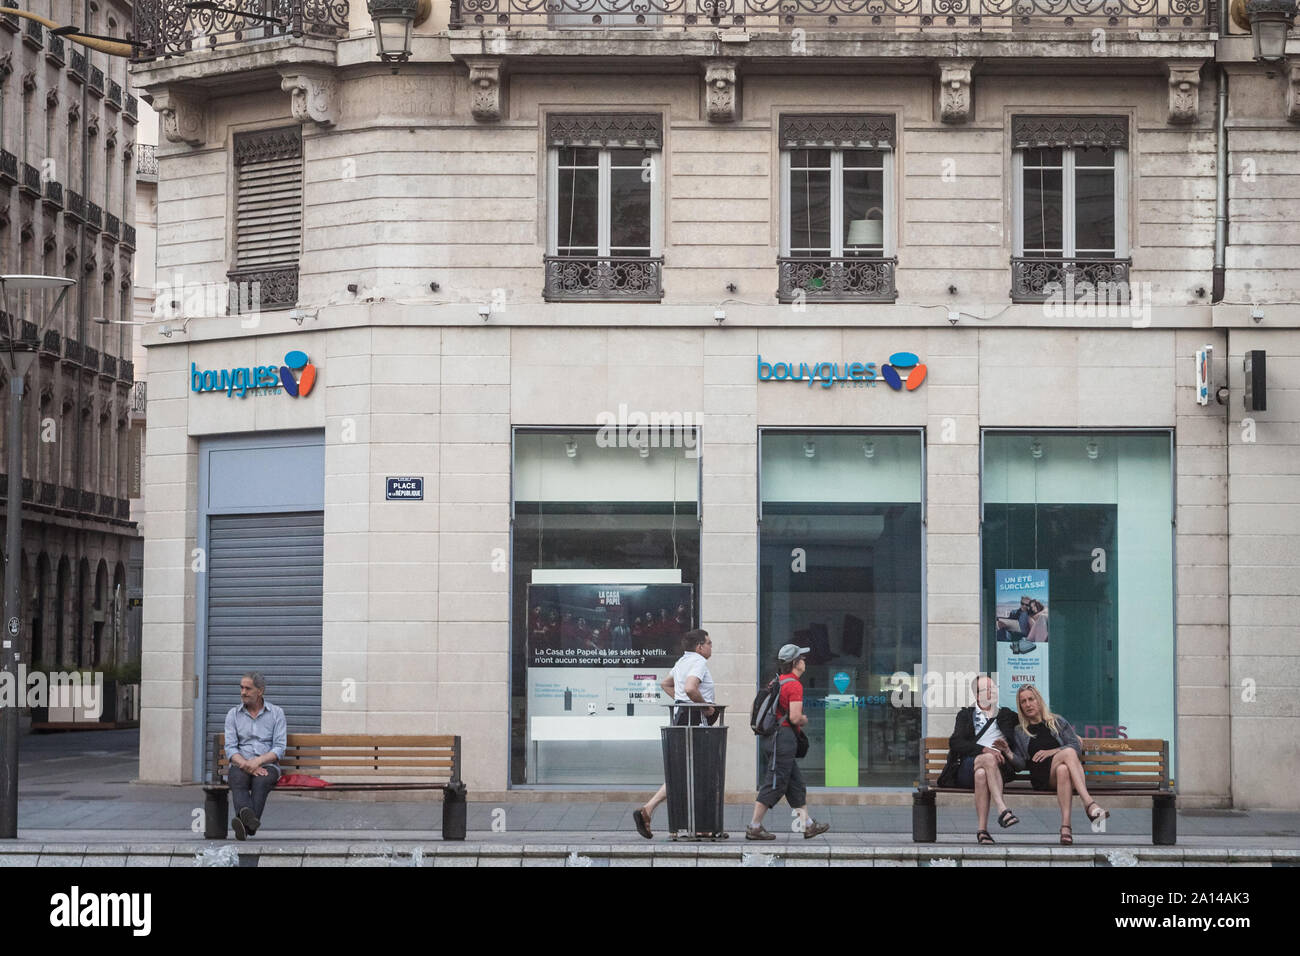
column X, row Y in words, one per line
column 393, row 20
column 1269, row 22
column 17, row 356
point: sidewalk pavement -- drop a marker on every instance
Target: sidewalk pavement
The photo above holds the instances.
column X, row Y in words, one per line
column 77, row 802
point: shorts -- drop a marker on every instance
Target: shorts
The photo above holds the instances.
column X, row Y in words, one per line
column 780, row 769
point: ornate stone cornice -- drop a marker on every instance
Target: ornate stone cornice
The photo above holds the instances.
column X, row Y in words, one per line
column 183, row 116
column 1184, row 90
column 837, row 130
column 1069, row 130
column 487, row 83
column 955, row 90
column 313, row 96
column 263, row 145
column 722, row 90
column 601, row 130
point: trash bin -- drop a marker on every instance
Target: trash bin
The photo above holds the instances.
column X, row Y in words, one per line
column 695, row 770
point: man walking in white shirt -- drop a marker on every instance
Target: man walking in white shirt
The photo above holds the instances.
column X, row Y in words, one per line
column 691, row 681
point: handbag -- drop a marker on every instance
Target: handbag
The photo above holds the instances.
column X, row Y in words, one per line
column 800, row 743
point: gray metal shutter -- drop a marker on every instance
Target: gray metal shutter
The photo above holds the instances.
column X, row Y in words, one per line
column 268, row 199
column 265, row 581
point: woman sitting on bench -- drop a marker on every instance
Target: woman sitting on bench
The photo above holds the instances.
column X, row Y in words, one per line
column 1054, row 756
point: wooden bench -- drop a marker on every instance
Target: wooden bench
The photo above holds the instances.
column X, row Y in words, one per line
column 1119, row 768
column 354, row 762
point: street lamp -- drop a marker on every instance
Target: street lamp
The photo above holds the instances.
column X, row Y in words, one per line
column 393, row 20
column 1269, row 22
column 17, row 356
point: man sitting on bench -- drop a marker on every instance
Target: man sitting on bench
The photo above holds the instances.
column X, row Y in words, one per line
column 255, row 740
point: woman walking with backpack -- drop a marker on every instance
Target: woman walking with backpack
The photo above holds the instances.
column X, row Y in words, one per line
column 781, row 750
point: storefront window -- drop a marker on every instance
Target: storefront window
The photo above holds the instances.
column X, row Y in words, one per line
column 840, row 572
column 606, row 558
column 1078, row 586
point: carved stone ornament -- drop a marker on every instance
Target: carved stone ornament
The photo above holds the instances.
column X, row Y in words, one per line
column 128, row 152
column 110, row 140
column 6, row 66
column 27, row 231
column 49, row 244
column 314, row 96
column 69, row 256
column 183, row 116
column 1293, row 93
column 836, row 131
column 52, row 99
column 92, row 125
column 605, row 130
column 1046, row 132
column 29, row 82
column 265, row 145
column 74, row 112
column 955, row 90
column 487, row 84
column 1184, row 90
column 721, row 90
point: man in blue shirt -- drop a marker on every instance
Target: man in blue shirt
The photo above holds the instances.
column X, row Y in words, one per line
column 255, row 742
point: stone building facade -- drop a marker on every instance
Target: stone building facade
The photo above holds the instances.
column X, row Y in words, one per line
column 67, row 184
column 536, row 228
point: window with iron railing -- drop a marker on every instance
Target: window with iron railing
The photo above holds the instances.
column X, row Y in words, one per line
column 1069, row 206
column 837, row 208
column 604, row 207
column 268, row 218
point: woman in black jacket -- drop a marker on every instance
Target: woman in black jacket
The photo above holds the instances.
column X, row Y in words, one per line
column 982, row 755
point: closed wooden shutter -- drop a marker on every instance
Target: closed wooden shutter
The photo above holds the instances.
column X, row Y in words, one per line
column 268, row 215
column 265, row 588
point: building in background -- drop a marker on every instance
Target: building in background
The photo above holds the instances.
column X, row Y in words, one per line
column 67, row 207
column 494, row 373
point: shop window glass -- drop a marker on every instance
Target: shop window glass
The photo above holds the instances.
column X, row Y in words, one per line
column 606, row 559
column 1077, row 530
column 840, row 572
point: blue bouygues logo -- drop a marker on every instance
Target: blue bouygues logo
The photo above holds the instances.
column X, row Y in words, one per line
column 904, row 370
column 841, row 681
column 272, row 378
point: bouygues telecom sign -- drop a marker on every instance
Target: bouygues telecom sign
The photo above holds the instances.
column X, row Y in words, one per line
column 904, row 370
column 295, row 378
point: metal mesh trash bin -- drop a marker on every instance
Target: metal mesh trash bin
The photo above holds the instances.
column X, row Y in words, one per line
column 695, row 770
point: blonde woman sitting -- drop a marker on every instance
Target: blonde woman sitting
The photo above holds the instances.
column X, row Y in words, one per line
column 1053, row 753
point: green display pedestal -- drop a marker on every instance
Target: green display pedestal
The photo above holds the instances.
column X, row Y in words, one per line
column 841, row 741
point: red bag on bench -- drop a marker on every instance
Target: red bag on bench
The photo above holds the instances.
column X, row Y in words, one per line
column 300, row 780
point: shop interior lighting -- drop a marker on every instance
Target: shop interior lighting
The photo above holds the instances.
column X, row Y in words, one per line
column 868, row 449
column 571, row 447
column 719, row 315
column 484, row 311
column 644, row 450
column 1093, row 450
column 1036, row 449
column 809, row 449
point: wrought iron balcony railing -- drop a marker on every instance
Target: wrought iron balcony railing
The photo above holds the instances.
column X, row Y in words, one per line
column 8, row 168
column 77, row 69
column 275, row 288
column 169, row 28
column 55, row 53
column 53, row 194
column 114, row 100
column 28, row 333
column 11, row 22
column 93, row 217
column 88, row 501
column 31, row 181
column 90, row 358
column 72, row 351
column 96, row 81
column 68, row 497
column 992, row 15
column 49, row 494
column 139, row 399
column 128, row 235
column 1044, row 280
column 76, row 208
column 112, row 225
column 108, row 366
column 52, row 342
column 132, row 110
column 126, row 370
column 603, row 279
column 146, row 162
column 846, row 279
column 124, row 508
column 33, row 34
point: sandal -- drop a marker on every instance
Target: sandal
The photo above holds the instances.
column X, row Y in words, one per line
column 1067, row 839
column 1007, row 819
column 1101, row 814
column 642, row 824
column 982, row 836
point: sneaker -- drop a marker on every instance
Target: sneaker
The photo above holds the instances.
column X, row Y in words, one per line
column 251, row 823
column 238, row 826
column 758, row 833
column 814, row 829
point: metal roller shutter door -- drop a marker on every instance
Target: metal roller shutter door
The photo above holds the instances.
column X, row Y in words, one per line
column 265, row 582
